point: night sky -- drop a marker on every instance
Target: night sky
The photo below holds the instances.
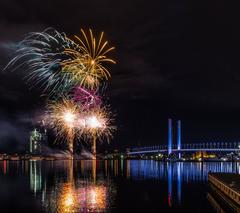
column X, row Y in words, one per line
column 177, row 59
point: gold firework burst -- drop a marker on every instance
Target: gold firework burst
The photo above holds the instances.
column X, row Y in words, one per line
column 86, row 61
column 62, row 116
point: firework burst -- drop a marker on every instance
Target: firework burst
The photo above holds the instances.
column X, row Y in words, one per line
column 62, row 116
column 41, row 54
column 86, row 98
column 87, row 64
column 57, row 64
column 70, row 120
column 62, row 68
column 97, row 125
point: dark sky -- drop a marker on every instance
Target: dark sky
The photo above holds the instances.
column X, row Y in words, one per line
column 176, row 59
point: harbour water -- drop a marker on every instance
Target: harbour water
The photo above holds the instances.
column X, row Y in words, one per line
column 108, row 186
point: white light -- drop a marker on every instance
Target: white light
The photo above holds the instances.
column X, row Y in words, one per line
column 93, row 122
column 69, row 118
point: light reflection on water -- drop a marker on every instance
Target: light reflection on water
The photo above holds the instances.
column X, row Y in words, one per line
column 91, row 186
column 79, row 195
column 188, row 171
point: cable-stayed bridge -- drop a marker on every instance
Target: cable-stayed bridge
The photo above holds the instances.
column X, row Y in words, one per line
column 208, row 147
column 179, row 147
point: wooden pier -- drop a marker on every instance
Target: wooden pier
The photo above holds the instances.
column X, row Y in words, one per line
column 227, row 187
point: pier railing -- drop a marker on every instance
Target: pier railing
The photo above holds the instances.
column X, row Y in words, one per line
column 218, row 180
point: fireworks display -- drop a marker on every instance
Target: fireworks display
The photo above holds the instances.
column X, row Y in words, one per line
column 67, row 118
column 57, row 64
column 70, row 72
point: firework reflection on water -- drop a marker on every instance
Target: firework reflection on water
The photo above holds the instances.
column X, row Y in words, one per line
column 79, row 195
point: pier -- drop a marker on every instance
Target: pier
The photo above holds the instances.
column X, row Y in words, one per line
column 227, row 187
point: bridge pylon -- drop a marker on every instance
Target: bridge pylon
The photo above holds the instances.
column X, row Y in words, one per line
column 170, row 136
column 179, row 139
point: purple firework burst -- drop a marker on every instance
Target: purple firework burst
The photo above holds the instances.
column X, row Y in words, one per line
column 87, row 98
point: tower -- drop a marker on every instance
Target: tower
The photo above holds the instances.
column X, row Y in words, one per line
column 170, row 135
column 179, row 138
column 35, row 139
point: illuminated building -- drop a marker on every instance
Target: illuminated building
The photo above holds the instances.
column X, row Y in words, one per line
column 37, row 138
column 203, row 155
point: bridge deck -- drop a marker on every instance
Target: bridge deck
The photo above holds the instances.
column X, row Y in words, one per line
column 184, row 150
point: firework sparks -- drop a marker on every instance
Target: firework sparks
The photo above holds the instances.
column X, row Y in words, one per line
column 87, row 64
column 87, row 98
column 98, row 126
column 40, row 54
column 57, row 64
column 98, row 122
column 62, row 117
column 69, row 120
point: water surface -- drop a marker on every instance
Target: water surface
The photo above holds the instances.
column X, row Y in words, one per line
column 107, row 186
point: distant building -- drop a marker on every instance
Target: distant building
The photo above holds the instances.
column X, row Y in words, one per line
column 37, row 139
